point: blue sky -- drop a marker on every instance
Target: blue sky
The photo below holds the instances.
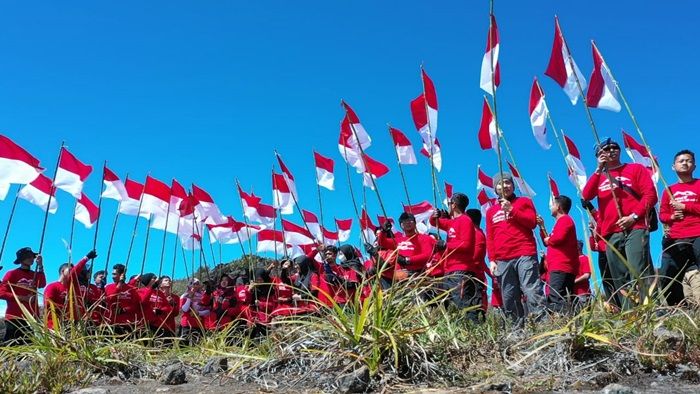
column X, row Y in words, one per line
column 205, row 91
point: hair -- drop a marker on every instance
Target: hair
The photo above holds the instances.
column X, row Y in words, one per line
column 406, row 216
column 98, row 273
column 331, row 248
column 120, row 268
column 461, row 200
column 580, row 244
column 475, row 215
column 684, row 152
column 62, row 267
column 564, row 202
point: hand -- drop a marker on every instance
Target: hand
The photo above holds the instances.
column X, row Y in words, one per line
column 296, row 297
column 506, row 205
column 39, row 262
column 370, row 249
column 677, row 215
column 492, row 267
column 436, row 214
column 587, row 205
column 603, row 158
column 122, row 277
column 287, row 264
column 546, row 241
column 441, row 245
column 445, row 214
column 386, row 227
column 402, row 260
column 539, row 220
column 625, row 222
column 678, row 206
column 91, row 254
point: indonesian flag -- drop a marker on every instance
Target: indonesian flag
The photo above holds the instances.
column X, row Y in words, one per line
column 191, row 241
column 367, row 227
column 205, row 207
column 484, row 182
column 71, row 173
column 522, row 185
column 639, row 154
column 485, row 202
column 404, row 149
column 374, row 169
column 178, row 194
column 538, row 115
column 577, row 172
column 602, row 93
column 490, row 64
column 312, row 223
column 4, row 189
column 156, row 197
column 324, row 171
column 114, row 187
column 288, row 177
column 488, row 137
column 282, row 195
column 130, row 205
column 16, row 164
column 422, row 211
column 437, row 155
column 424, row 110
column 553, row 190
column 271, row 241
column 41, row 193
column 448, row 194
column 86, row 212
column 383, row 219
column 561, row 66
column 349, row 144
column 232, row 231
column 256, row 211
column 295, row 234
column 330, row 237
column 344, row 226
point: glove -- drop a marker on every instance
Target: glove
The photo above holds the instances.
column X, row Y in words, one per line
column 444, row 214
column 587, row 205
column 371, row 250
column 402, row 260
column 441, row 245
column 91, row 254
column 386, row 228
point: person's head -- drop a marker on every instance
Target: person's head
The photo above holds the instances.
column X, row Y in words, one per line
column 165, row 283
column 224, row 281
column 64, row 271
column 262, row 276
column 304, row 265
column 458, row 203
column 580, row 246
column 25, row 257
column 148, row 280
column 609, row 149
column 684, row 162
column 99, row 277
column 117, row 271
column 561, row 204
column 408, row 223
column 330, row 253
column 346, row 253
column 504, row 184
column 475, row 215
column 194, row 285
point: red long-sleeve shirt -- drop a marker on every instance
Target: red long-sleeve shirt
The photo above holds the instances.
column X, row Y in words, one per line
column 23, row 282
column 165, row 310
column 459, row 255
column 418, row 248
column 634, row 176
column 688, row 194
column 59, row 297
column 562, row 246
column 93, row 296
column 584, row 267
column 510, row 236
column 480, row 249
column 123, row 305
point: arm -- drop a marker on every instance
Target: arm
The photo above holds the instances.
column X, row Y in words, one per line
column 425, row 247
column 562, row 229
column 386, row 243
column 524, row 213
column 489, row 235
column 647, row 192
column 590, row 191
column 40, row 280
column 186, row 304
column 665, row 211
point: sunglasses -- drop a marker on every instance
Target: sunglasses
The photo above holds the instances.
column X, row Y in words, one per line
column 610, row 148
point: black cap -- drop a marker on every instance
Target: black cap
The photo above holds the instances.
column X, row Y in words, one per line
column 606, row 141
column 24, row 253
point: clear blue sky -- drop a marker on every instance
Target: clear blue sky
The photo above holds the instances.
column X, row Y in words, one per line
column 204, row 91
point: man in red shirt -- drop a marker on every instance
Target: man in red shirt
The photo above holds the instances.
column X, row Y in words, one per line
column 62, row 299
column 19, row 287
column 582, row 287
column 681, row 256
column 412, row 249
column 626, row 195
column 562, row 254
column 122, row 301
column 511, row 247
column 459, row 267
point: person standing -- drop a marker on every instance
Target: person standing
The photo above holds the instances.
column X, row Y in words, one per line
column 62, row 299
column 19, row 289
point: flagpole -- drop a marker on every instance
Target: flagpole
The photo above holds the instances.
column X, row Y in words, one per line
column 52, row 190
column 133, row 233
column 320, row 205
column 114, row 228
column 352, row 195
column 70, row 238
column 9, row 222
column 294, row 198
column 97, row 224
column 433, row 176
column 211, row 247
column 202, row 255
column 279, row 212
column 495, row 106
column 145, row 245
column 245, row 220
column 165, row 234
column 177, row 230
column 398, row 162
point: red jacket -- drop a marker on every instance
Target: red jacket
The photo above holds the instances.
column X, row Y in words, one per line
column 165, row 310
column 459, row 255
column 634, row 176
column 57, row 296
column 480, row 249
column 123, row 305
column 23, row 283
column 510, row 236
column 688, row 194
column 562, row 246
column 418, row 248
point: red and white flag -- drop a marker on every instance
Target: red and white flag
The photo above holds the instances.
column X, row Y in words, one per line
column 130, row 205
column 424, row 110
column 205, row 208
column 352, row 137
column 538, row 115
column 639, row 154
column 330, row 237
column 282, row 195
column 288, row 177
column 178, row 194
column 602, row 93
column 448, row 194
column 232, row 232
column 561, row 67
column 39, row 192
column 488, row 137
column 324, row 171
column 404, row 149
column 191, row 241
column 16, row 164
column 520, row 182
column 271, row 241
column 4, row 189
column 490, row 69
column 374, row 169
column 114, row 187
column 437, row 154
column 553, row 190
column 422, row 211
column 156, row 197
column 295, row 234
column 484, row 182
column 367, row 227
column 256, row 211
column 71, row 173
column 485, row 201
column 312, row 223
column 344, row 227
column 86, row 212
column 577, row 172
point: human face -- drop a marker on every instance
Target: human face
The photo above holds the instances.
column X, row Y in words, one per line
column 684, row 165
column 116, row 276
column 330, row 256
column 611, row 152
column 165, row 282
column 408, row 226
column 505, row 188
column 224, row 281
column 99, row 278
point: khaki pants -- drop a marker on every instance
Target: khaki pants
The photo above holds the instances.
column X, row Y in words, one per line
column 691, row 287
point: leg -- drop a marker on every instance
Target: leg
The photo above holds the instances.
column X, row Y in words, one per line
column 472, row 296
column 531, row 285
column 557, row 291
column 511, row 294
column 637, row 253
column 671, row 273
column 606, row 279
column 619, row 273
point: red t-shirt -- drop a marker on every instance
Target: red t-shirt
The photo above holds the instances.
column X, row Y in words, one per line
column 480, row 249
column 562, row 246
column 688, row 194
column 634, row 176
column 510, row 236
column 418, row 248
column 21, row 282
column 584, row 267
column 123, row 305
column 459, row 254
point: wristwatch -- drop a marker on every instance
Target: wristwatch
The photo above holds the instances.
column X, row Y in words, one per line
column 635, row 216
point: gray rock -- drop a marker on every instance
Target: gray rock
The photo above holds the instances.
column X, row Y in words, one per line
column 617, row 389
column 670, row 337
column 688, row 373
column 90, row 390
column 356, row 381
column 174, row 375
column 215, row 365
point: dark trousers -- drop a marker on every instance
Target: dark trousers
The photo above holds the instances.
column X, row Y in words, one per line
column 465, row 292
column 632, row 273
column 678, row 257
column 16, row 332
column 561, row 289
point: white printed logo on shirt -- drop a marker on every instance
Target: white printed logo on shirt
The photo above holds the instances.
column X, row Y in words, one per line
column 406, row 245
column 605, row 185
column 499, row 216
column 685, row 196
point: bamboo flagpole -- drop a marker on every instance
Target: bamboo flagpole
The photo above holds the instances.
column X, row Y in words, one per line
column 245, row 220
column 114, row 228
column 133, row 232
column 292, row 191
column 97, row 225
column 177, row 240
column 9, row 222
column 320, row 204
column 398, row 163
column 433, row 176
column 48, row 204
column 494, row 109
column 165, row 234
column 352, row 194
column 279, row 213
column 145, row 244
column 72, row 230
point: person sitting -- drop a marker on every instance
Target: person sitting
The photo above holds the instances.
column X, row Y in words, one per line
column 194, row 312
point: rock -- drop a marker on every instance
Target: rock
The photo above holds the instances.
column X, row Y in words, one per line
column 356, row 381
column 90, row 390
column 672, row 338
column 688, row 373
column 215, row 365
column 162, row 390
column 617, row 389
column 174, row 374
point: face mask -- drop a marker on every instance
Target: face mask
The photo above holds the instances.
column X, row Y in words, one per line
column 341, row 258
